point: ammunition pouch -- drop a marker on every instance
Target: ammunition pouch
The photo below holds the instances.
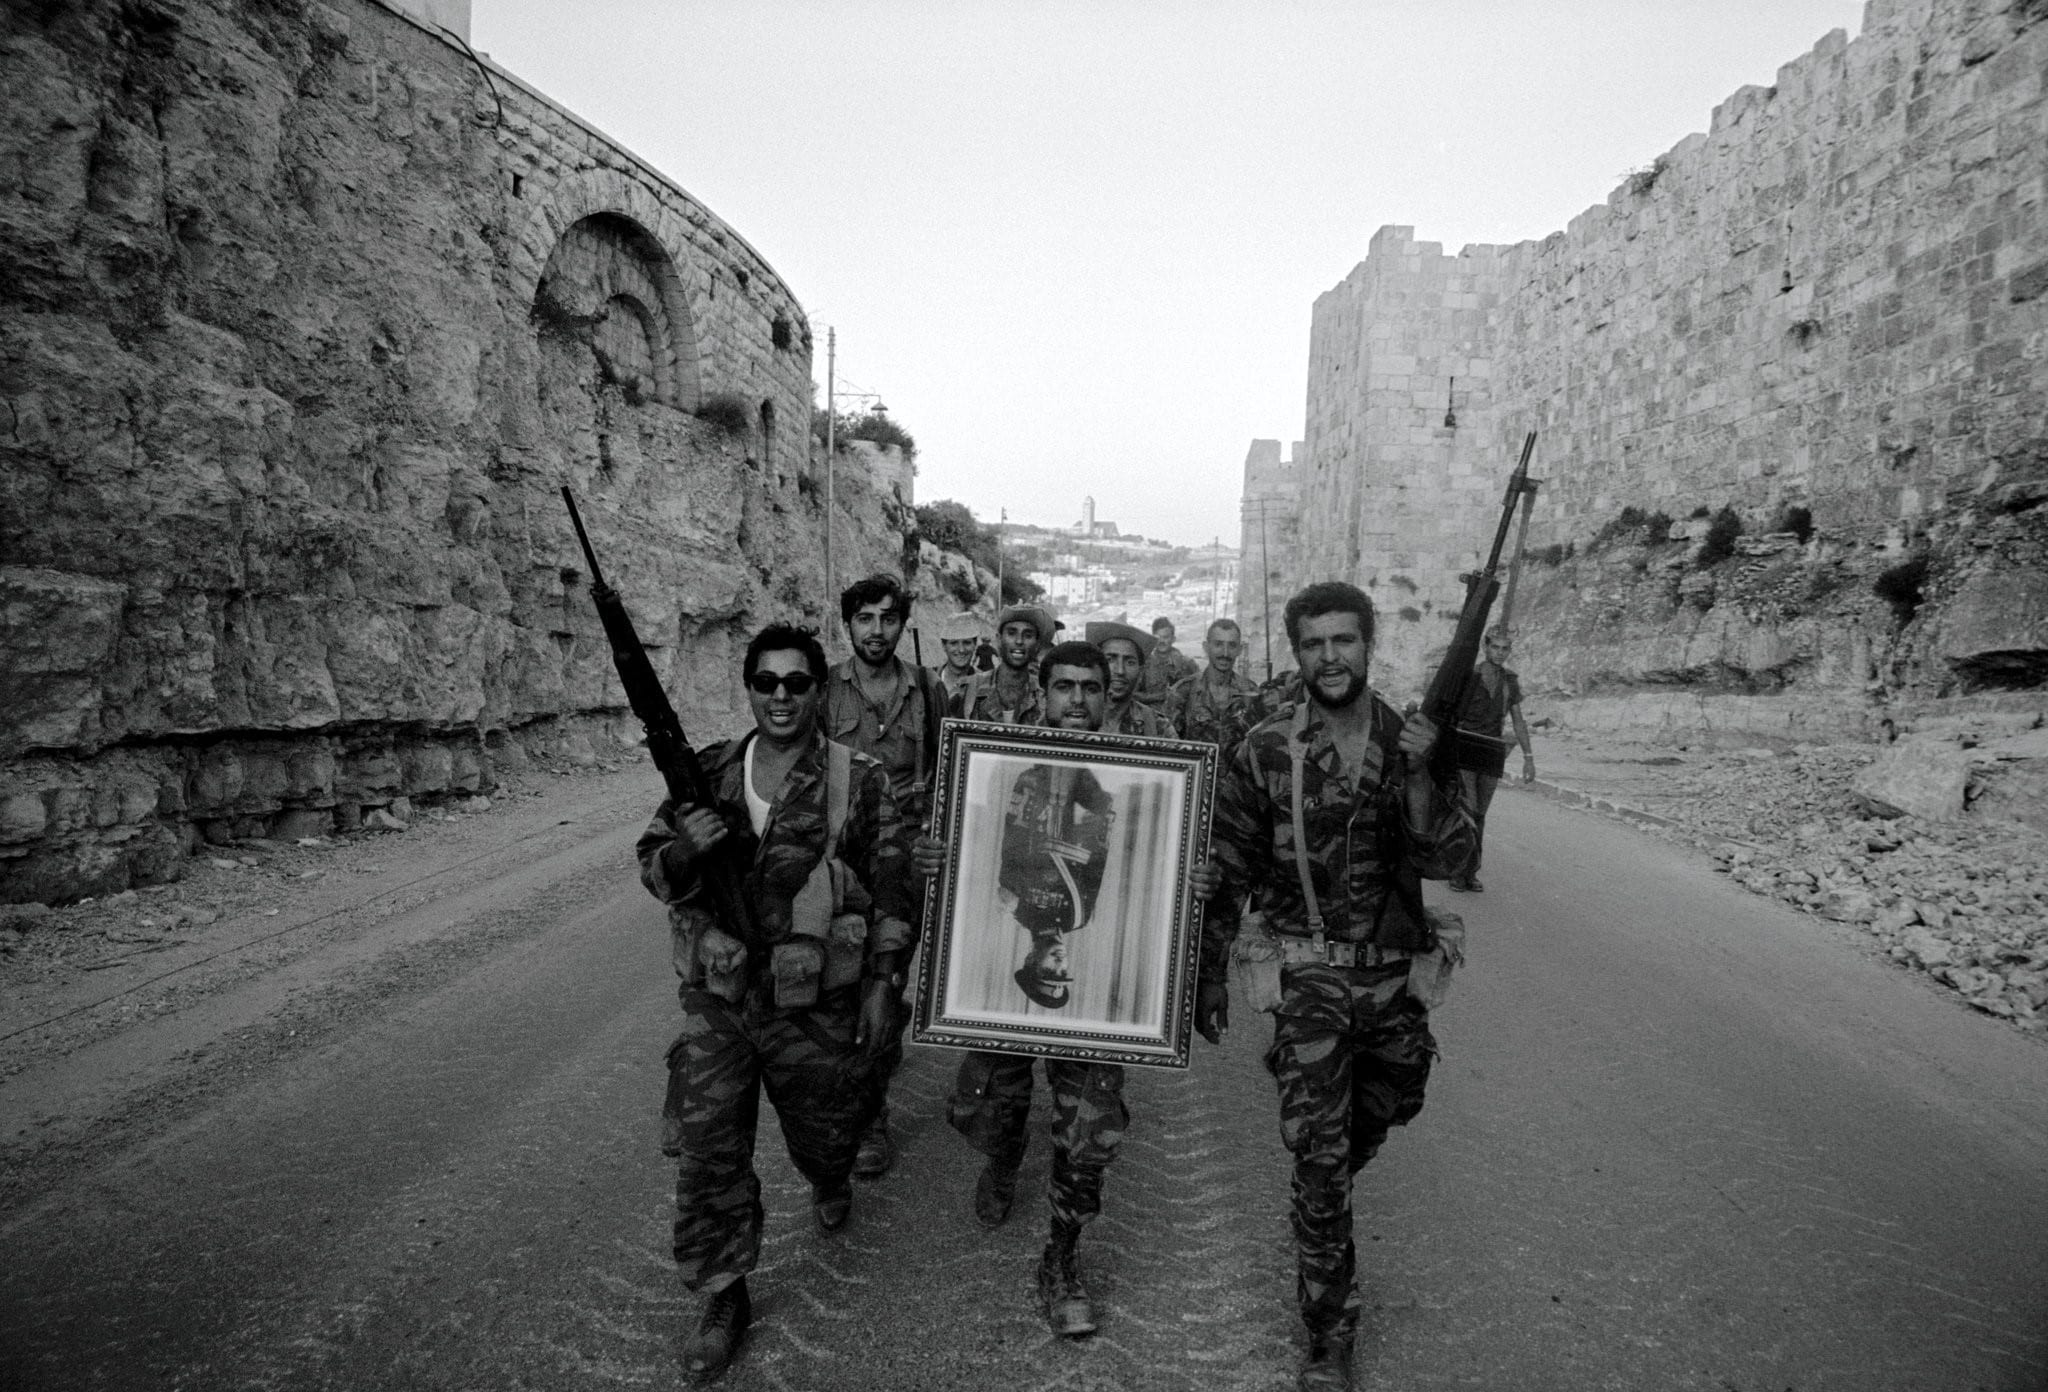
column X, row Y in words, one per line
column 722, row 959
column 797, row 967
column 1429, row 973
column 704, row 954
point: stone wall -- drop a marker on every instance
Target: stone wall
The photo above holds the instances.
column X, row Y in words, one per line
column 1268, row 541
column 1832, row 300
column 306, row 316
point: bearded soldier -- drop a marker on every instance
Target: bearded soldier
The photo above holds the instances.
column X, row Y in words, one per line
column 1327, row 813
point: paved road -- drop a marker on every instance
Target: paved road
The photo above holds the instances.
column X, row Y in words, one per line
column 1680, row 1138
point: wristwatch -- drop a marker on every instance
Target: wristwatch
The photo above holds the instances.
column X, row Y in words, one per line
column 894, row 979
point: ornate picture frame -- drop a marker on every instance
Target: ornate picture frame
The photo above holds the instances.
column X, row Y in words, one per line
column 1062, row 924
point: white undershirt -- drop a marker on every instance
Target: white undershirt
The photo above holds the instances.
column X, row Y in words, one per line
column 757, row 806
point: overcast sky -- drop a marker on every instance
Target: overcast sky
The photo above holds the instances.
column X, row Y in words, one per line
column 1075, row 247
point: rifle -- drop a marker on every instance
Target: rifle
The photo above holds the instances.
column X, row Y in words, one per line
column 1464, row 749
column 680, row 769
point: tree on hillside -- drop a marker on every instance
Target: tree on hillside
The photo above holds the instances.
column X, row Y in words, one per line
column 952, row 526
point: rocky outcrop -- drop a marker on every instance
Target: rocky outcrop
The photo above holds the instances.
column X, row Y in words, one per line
column 305, row 318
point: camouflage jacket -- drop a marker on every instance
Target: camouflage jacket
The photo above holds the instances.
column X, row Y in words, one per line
column 1055, row 847
column 1195, row 712
column 874, row 844
column 1137, row 718
column 904, row 737
column 1165, row 669
column 984, row 702
column 1365, row 865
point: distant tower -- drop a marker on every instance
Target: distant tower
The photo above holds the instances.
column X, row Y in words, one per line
column 1088, row 517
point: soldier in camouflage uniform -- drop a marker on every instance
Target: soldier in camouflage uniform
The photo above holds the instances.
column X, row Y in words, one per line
column 1351, row 1042
column 1011, row 694
column 890, row 710
column 991, row 1101
column 959, row 635
column 1165, row 666
column 1211, row 705
column 794, row 1002
column 1125, row 649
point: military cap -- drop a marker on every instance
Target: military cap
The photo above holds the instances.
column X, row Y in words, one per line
column 1100, row 633
column 1041, row 621
column 958, row 626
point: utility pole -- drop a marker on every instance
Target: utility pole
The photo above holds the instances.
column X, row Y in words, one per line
column 1004, row 514
column 1216, row 580
column 1265, row 591
column 831, row 444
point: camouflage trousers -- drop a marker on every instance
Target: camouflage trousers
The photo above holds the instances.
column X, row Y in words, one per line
column 1478, row 793
column 727, row 1056
column 991, row 1107
column 888, row 1058
column 1351, row 1053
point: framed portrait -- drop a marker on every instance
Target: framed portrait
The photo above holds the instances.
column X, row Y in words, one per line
column 1062, row 924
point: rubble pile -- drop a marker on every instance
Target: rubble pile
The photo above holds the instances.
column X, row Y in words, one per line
column 1965, row 901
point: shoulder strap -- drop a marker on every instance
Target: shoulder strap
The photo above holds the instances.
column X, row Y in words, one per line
column 1297, row 753
column 838, row 792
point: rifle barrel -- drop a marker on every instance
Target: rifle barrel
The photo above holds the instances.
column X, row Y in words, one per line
column 583, row 539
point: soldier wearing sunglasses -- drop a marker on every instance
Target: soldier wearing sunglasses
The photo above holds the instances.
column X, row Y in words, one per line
column 795, row 1006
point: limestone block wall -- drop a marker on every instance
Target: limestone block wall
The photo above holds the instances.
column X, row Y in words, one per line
column 1833, row 298
column 1269, row 539
column 306, row 315
column 1405, row 429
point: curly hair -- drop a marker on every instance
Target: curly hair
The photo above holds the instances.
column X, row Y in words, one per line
column 873, row 590
column 785, row 637
column 1329, row 597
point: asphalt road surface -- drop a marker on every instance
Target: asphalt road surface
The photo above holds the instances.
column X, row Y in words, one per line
column 1680, row 1138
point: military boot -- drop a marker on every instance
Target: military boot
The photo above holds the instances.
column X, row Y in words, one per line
column 993, row 1193
column 719, row 1333
column 1060, row 1292
column 1328, row 1365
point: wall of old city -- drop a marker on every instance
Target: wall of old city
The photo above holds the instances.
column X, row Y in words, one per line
column 1269, row 541
column 306, row 315
column 1833, row 299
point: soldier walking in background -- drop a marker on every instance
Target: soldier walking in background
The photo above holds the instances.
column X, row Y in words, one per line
column 1011, row 694
column 959, row 636
column 890, row 710
column 1489, row 703
column 1125, row 650
column 792, row 1003
column 1328, row 815
column 1211, row 705
column 991, row 1102
column 1165, row 666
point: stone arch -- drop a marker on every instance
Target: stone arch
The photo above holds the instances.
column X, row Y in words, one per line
column 611, row 253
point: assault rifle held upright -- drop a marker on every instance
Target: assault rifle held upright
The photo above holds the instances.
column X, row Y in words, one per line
column 680, row 769
column 1463, row 749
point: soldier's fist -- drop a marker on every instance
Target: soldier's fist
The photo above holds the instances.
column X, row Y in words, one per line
column 697, row 831
column 1205, row 879
column 1418, row 737
column 927, row 856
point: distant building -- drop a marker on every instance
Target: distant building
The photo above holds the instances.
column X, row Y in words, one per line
column 1088, row 526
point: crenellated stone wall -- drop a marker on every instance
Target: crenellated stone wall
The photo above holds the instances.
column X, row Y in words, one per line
column 1269, row 539
column 306, row 316
column 1831, row 300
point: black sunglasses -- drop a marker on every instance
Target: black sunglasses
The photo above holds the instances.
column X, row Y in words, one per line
column 796, row 683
